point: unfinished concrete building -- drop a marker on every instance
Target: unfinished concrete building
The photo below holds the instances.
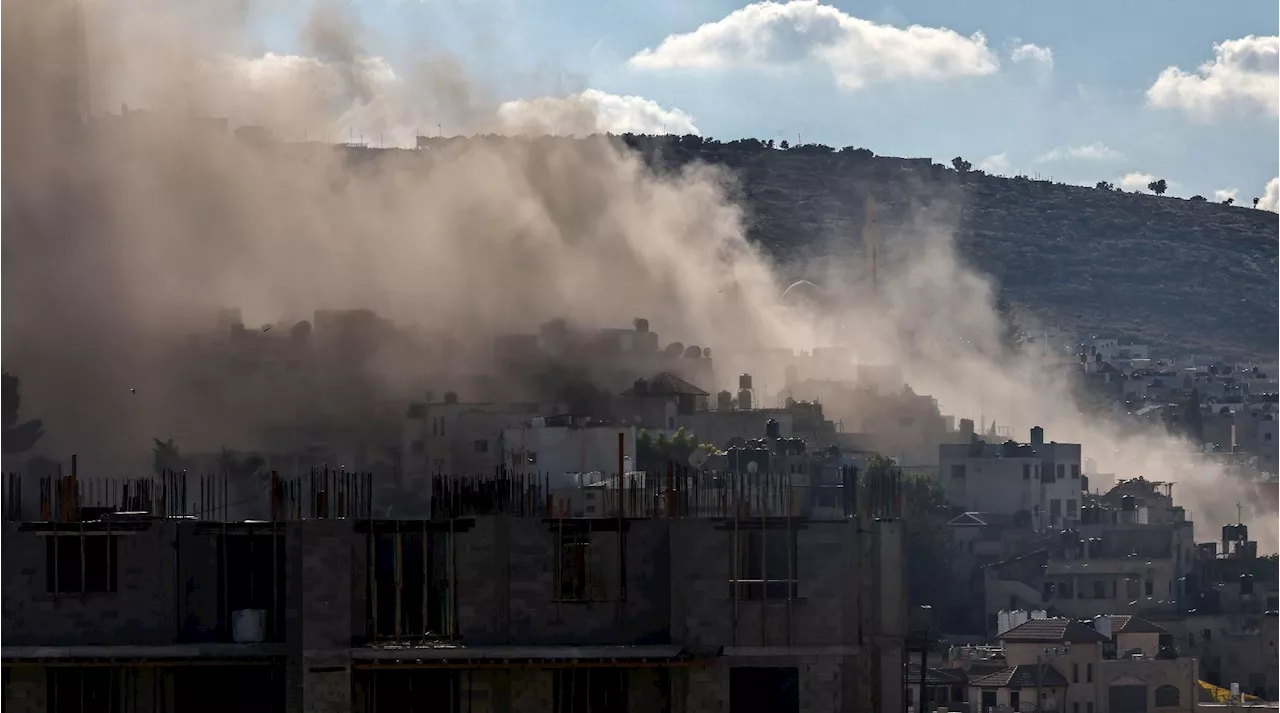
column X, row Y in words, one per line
column 699, row 592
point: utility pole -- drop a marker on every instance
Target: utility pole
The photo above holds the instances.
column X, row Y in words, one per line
column 1048, row 653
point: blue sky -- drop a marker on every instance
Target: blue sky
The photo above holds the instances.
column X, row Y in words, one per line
column 1084, row 116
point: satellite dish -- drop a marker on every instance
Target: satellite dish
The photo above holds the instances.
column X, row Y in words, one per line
column 698, row 458
column 753, row 467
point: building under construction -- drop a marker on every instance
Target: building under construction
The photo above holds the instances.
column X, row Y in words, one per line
column 695, row 592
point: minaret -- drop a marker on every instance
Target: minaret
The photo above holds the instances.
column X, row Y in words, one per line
column 871, row 243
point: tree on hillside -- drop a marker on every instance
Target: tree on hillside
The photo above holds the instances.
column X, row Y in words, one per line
column 1158, row 187
column 17, row 438
column 784, row 145
column 1228, row 200
column 1192, row 420
column 961, row 165
column 1105, row 186
column 165, row 457
column 857, row 152
column 239, row 468
column 1197, row 199
column 1255, row 202
column 768, row 144
column 1012, row 337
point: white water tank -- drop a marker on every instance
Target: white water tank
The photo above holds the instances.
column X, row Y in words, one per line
column 1103, row 625
column 248, row 626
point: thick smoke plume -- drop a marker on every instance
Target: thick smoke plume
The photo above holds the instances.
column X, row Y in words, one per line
column 123, row 238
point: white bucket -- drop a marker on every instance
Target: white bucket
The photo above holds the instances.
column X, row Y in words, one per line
column 248, row 626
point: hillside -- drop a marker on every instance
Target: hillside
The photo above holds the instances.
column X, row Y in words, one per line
column 1182, row 275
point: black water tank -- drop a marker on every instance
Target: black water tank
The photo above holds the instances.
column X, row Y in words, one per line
column 744, row 381
column 1246, row 583
column 1242, row 533
column 1228, row 533
column 451, row 397
column 771, row 429
column 641, row 324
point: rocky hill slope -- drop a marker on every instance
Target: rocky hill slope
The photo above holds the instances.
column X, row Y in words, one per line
column 1182, row 275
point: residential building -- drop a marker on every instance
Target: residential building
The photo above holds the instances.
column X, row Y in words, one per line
column 1039, row 483
column 1085, row 668
column 487, row 603
column 564, row 447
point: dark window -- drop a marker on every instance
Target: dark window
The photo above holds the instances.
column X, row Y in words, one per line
column 1071, row 508
column 1088, row 706
column 1127, row 699
column 776, row 690
column 1061, row 471
column 1088, row 673
column 253, row 578
column 1015, row 698
column 589, row 690
column 1168, row 696
column 957, row 471
column 412, row 691
column 1075, row 471
column 1149, row 587
column 410, row 585
column 77, row 564
column 1075, row 673
column 766, row 564
column 1026, row 472
column 584, row 568
column 1075, row 707
column 1099, row 589
column 482, row 446
column 1131, row 588
column 87, row 689
column 989, row 700
column 1064, row 589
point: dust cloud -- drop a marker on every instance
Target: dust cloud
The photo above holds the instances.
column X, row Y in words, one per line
column 123, row 235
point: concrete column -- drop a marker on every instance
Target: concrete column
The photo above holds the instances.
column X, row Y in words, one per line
column 319, row 596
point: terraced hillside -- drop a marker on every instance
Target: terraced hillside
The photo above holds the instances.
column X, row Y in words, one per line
column 1183, row 275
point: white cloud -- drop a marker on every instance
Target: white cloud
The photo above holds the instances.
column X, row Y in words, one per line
column 333, row 101
column 594, row 111
column 1028, row 52
column 1240, row 78
column 857, row 52
column 1271, row 196
column 1096, row 151
column 1224, row 193
column 997, row 164
column 1135, row 181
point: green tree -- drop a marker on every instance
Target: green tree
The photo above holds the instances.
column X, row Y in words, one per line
column 1105, row 186
column 930, row 547
column 17, row 438
column 1158, row 187
column 784, row 145
column 1228, row 200
column 961, row 165
column 1255, row 202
